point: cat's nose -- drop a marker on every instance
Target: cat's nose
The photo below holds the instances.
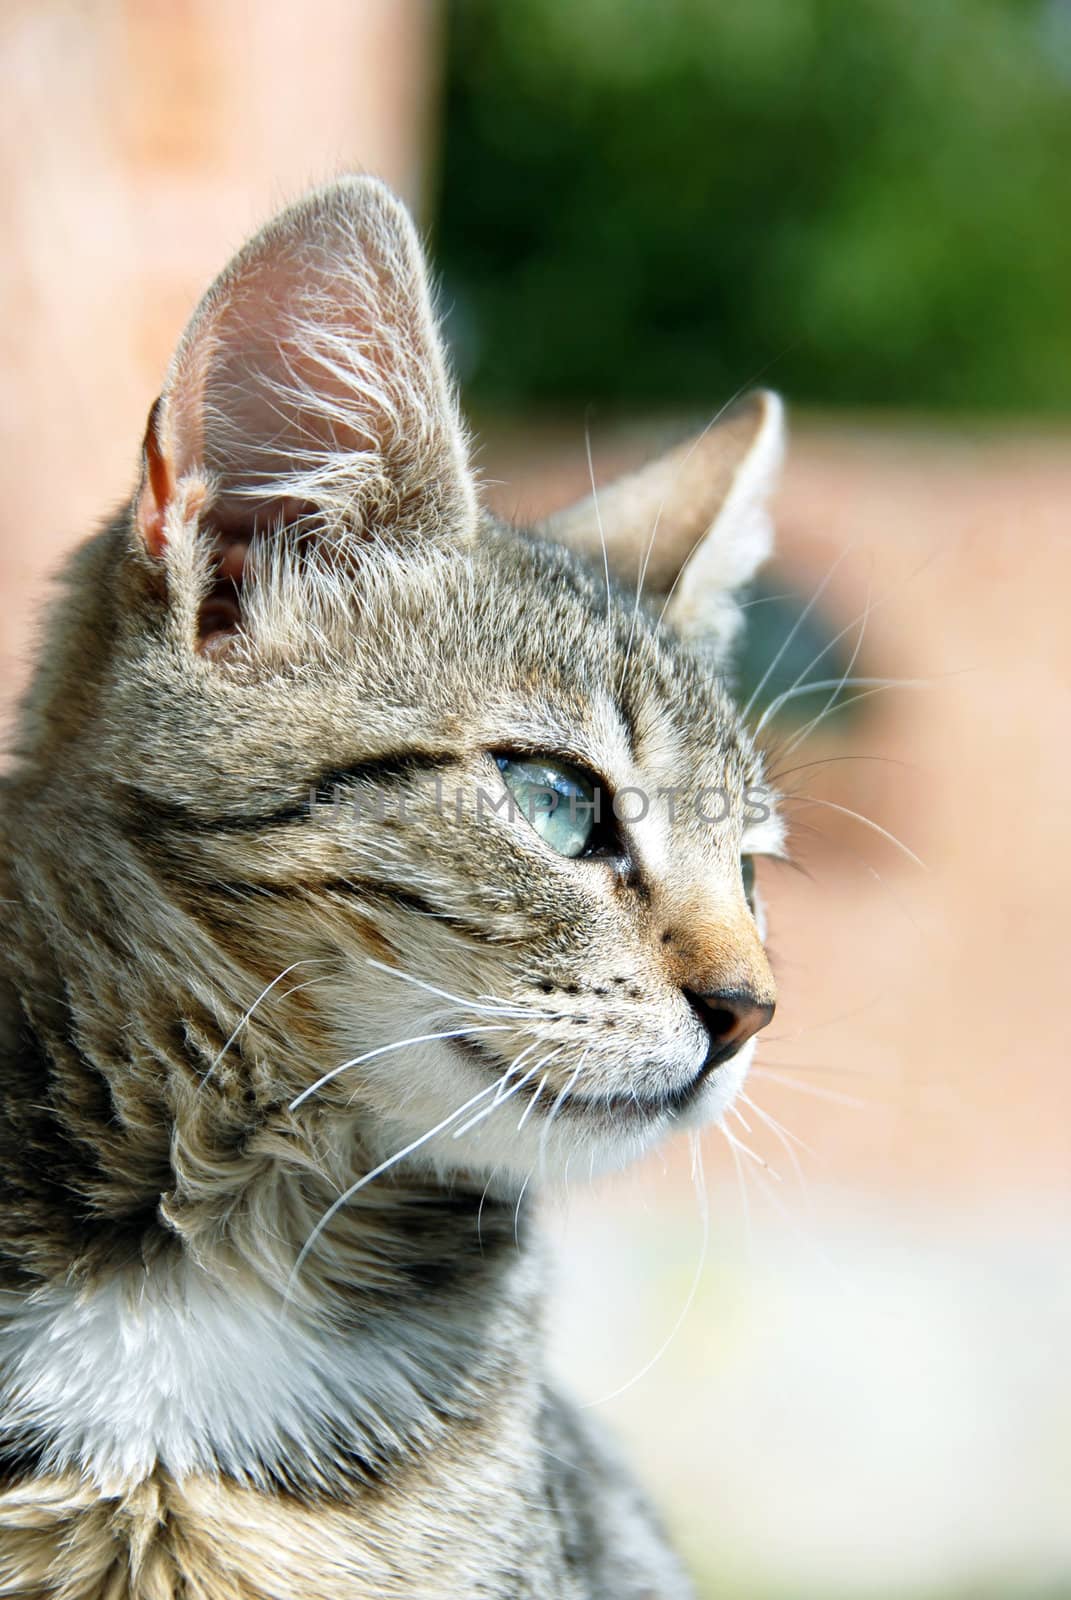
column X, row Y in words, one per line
column 731, row 1017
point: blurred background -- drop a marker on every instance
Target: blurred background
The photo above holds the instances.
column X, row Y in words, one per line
column 860, row 1384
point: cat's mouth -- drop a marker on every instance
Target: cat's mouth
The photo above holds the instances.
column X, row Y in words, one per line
column 614, row 1107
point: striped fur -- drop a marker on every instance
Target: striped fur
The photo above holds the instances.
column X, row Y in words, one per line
column 264, row 936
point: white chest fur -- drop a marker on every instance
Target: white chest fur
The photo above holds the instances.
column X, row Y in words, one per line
column 179, row 1370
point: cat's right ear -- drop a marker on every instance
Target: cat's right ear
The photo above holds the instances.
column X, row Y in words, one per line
column 310, row 388
column 690, row 529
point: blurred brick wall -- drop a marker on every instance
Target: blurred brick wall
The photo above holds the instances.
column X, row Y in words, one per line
column 140, row 142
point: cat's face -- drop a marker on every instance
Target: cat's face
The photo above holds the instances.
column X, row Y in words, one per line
column 493, row 819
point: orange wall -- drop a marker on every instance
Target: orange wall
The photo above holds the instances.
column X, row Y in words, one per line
column 140, row 142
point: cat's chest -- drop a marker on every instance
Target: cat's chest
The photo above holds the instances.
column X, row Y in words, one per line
column 218, row 1386
column 472, row 1524
column 194, row 1442
column 196, row 1376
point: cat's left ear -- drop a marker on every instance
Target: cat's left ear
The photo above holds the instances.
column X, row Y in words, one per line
column 695, row 522
column 310, row 387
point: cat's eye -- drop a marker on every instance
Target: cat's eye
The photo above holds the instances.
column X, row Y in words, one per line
column 562, row 803
column 747, row 872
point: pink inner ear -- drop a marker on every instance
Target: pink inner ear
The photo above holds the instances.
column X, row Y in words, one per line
column 232, row 560
column 221, row 610
column 220, row 613
column 308, row 390
column 158, row 487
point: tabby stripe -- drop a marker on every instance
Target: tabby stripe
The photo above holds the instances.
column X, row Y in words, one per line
column 320, row 790
column 367, row 888
column 21, row 1460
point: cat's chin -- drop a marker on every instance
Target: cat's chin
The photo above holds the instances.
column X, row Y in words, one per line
column 522, row 1139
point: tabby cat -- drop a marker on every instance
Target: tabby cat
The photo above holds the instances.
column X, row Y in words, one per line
column 362, row 858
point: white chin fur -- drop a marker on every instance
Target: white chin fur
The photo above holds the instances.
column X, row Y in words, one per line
column 719, row 1091
column 513, row 1142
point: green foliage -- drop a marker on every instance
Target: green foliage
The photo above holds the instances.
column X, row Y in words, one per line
column 655, row 201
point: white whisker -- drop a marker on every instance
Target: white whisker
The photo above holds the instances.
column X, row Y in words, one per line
column 558, row 1104
column 818, row 685
column 819, row 1091
column 530, row 1107
column 852, row 700
column 747, row 1151
column 605, row 553
column 512, row 1068
column 248, row 1014
column 739, row 1115
column 800, row 686
column 868, row 822
column 499, row 1099
column 775, row 1126
column 649, row 551
column 517, row 1210
column 787, row 1140
column 863, row 616
column 831, row 702
column 384, row 1166
column 479, row 1209
column 395, row 1044
column 796, row 626
column 500, row 1009
column 693, row 1289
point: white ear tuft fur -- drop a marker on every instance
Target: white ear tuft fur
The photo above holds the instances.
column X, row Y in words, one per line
column 311, row 384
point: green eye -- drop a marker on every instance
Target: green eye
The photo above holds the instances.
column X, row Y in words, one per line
column 747, row 872
column 561, row 802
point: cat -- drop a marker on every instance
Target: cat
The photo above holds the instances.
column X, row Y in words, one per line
column 328, row 926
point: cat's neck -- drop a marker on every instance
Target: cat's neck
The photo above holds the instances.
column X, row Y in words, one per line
column 154, row 1306
column 142, row 1102
column 198, row 1371
column 416, row 1307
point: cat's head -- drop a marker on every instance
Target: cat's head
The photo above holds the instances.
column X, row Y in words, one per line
column 367, row 729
